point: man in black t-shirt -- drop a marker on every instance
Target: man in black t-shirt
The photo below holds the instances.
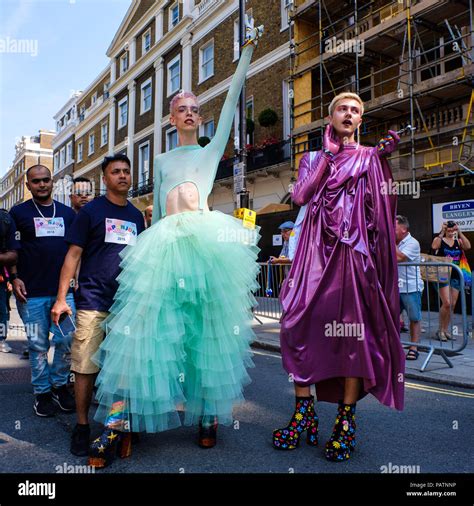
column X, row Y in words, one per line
column 100, row 232
column 42, row 223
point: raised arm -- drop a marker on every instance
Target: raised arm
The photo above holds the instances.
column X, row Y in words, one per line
column 311, row 170
column 226, row 118
column 156, row 192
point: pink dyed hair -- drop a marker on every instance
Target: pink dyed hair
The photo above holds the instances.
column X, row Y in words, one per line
column 182, row 94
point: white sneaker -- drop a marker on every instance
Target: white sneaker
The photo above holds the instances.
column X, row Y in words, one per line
column 4, row 347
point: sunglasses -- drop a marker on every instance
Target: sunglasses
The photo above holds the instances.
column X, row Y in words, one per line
column 44, row 180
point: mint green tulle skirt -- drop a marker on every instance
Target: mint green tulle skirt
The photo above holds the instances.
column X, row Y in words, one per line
column 179, row 331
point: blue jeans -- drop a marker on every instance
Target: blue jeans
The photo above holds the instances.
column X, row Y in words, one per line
column 4, row 313
column 36, row 316
column 411, row 302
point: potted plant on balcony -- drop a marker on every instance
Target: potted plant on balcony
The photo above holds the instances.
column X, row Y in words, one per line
column 268, row 118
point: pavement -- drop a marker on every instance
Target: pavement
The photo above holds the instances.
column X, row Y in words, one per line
column 16, row 370
column 267, row 332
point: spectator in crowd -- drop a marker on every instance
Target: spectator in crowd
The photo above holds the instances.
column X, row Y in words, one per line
column 148, row 214
column 410, row 284
column 82, row 192
column 450, row 242
column 8, row 257
column 286, row 230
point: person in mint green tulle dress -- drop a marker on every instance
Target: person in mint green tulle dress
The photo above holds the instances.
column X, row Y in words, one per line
column 179, row 330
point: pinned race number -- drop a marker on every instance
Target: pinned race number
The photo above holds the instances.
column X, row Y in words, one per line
column 120, row 231
column 49, row 227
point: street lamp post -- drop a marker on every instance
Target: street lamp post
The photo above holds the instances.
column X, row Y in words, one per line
column 242, row 194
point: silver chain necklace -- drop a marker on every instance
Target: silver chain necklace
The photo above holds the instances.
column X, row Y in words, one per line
column 42, row 215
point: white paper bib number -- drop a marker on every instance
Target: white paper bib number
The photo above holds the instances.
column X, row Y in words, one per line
column 49, row 227
column 120, row 231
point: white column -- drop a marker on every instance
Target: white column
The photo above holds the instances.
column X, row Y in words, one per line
column 112, row 70
column 131, row 122
column 159, row 86
column 186, row 63
column 188, row 6
column 112, row 126
column 159, row 25
column 132, row 47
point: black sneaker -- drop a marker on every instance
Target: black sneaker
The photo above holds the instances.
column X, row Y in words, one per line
column 44, row 406
column 63, row 398
column 80, row 440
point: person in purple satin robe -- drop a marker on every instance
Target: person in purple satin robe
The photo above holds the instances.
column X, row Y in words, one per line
column 340, row 326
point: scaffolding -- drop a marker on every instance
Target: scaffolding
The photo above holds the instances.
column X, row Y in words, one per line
column 412, row 62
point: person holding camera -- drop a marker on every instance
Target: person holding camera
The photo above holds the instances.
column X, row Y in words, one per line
column 450, row 242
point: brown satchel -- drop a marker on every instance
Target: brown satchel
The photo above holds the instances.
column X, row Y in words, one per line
column 435, row 273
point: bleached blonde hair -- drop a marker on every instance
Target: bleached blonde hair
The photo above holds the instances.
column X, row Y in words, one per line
column 341, row 96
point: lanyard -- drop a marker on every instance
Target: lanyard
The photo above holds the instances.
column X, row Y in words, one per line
column 42, row 215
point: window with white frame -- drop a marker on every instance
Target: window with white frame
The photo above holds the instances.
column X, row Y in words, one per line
column 91, row 144
column 62, row 157
column 143, row 162
column 174, row 75
column 124, row 63
column 80, row 149
column 206, row 61
column 69, row 152
column 146, row 41
column 173, row 15
column 56, row 161
column 249, row 108
column 285, row 6
column 104, row 133
column 208, row 129
column 236, row 40
column 122, row 112
column 94, row 98
column 145, row 100
column 171, row 139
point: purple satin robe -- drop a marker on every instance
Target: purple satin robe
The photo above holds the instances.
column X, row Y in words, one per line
column 344, row 272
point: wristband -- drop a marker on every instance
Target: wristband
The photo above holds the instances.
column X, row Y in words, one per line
column 13, row 275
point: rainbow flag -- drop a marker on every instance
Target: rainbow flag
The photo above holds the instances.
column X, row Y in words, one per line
column 466, row 270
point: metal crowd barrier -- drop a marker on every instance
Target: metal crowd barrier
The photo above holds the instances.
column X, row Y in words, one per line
column 270, row 279
column 271, row 276
column 459, row 331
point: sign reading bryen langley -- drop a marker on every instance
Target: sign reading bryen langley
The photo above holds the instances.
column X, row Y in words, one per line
column 460, row 211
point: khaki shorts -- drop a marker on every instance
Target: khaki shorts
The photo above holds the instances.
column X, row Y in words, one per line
column 86, row 340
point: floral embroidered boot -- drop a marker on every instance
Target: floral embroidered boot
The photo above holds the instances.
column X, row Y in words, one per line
column 304, row 418
column 342, row 441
